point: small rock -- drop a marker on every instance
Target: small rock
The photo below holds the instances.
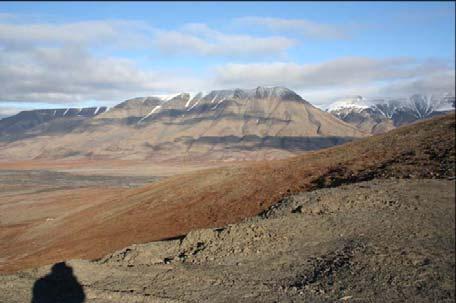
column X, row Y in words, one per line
column 421, row 262
column 298, row 209
column 317, row 211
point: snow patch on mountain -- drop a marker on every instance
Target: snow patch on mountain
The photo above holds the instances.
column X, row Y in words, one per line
column 155, row 109
column 398, row 110
column 353, row 103
column 421, row 105
column 168, row 97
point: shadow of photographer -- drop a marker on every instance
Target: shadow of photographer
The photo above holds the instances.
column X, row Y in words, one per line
column 59, row 286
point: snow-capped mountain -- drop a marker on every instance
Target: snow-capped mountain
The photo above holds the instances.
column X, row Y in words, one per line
column 380, row 115
column 40, row 120
column 145, row 109
column 357, row 103
column 264, row 122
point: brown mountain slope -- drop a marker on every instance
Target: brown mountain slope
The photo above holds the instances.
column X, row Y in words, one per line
column 216, row 197
column 223, row 125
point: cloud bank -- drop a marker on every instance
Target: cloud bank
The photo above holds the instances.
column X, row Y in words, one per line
column 302, row 27
column 200, row 39
column 345, row 76
column 55, row 63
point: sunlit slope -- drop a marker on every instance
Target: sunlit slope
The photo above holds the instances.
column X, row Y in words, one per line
column 216, row 197
column 218, row 126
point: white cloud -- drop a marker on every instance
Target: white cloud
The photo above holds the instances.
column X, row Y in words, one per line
column 53, row 62
column 193, row 38
column 199, row 39
column 302, row 27
column 322, row 82
column 50, row 62
column 69, row 74
column 6, row 111
column 341, row 71
column 438, row 82
column 96, row 32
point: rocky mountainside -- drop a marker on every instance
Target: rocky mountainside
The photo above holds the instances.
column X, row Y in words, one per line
column 380, row 115
column 101, row 220
column 344, row 244
column 223, row 124
column 30, row 123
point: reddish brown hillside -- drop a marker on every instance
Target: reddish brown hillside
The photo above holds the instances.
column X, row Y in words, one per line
column 216, row 197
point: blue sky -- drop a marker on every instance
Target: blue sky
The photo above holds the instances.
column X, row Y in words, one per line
column 79, row 53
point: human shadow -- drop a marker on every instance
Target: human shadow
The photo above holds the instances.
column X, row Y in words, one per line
column 59, row 286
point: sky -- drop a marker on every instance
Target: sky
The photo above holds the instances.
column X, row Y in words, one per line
column 75, row 54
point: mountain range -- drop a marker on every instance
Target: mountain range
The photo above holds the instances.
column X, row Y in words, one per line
column 221, row 125
column 237, row 124
column 34, row 122
column 381, row 115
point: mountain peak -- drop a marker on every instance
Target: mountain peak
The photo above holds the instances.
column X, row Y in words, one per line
column 138, row 101
column 261, row 92
column 382, row 114
column 352, row 102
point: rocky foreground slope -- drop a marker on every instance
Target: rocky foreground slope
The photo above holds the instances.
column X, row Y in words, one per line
column 375, row 241
column 216, row 197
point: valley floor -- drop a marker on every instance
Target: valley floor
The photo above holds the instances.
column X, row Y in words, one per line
column 33, row 194
column 112, row 167
column 377, row 241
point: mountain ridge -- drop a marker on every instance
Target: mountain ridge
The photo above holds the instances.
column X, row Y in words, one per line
column 16, row 126
column 381, row 115
column 222, row 125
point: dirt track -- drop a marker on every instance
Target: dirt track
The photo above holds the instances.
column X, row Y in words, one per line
column 376, row 241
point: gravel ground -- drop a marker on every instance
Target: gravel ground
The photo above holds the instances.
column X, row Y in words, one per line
column 376, row 241
column 21, row 178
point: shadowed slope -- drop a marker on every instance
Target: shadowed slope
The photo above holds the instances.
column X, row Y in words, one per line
column 220, row 196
